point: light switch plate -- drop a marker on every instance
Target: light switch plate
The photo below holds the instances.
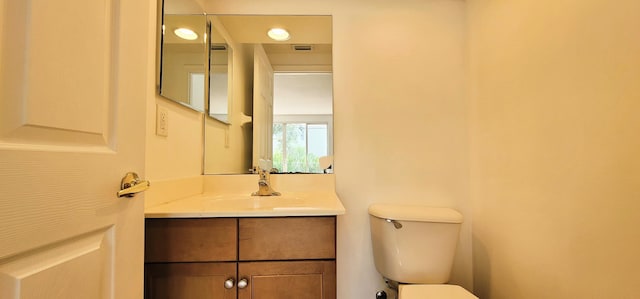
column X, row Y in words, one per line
column 162, row 121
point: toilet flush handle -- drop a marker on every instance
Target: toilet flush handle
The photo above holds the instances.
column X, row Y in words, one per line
column 396, row 224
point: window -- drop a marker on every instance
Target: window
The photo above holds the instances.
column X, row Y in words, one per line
column 298, row 146
column 196, row 90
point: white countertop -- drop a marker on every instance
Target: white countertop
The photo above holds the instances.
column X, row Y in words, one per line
column 317, row 203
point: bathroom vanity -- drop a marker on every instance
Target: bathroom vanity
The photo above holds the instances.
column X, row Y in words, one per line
column 232, row 245
column 243, row 257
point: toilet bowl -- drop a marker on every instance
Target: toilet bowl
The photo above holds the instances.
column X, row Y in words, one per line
column 414, row 247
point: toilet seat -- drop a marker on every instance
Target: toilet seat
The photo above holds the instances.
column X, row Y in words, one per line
column 433, row 291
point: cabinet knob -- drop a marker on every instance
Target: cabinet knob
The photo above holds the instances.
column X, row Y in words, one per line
column 243, row 283
column 229, row 283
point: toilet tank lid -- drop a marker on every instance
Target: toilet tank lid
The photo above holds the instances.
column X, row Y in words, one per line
column 409, row 212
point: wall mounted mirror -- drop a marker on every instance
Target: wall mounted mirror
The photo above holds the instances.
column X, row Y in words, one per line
column 282, row 98
column 183, row 53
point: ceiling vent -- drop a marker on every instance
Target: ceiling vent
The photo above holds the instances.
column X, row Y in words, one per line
column 302, row 48
column 218, row 47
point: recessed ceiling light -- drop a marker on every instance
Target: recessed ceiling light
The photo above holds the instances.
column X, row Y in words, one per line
column 185, row 33
column 278, row 34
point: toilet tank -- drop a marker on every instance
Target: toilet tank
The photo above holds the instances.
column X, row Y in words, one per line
column 414, row 243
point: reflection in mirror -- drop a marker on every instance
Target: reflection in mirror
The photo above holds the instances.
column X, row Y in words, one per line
column 220, row 72
column 183, row 54
column 302, row 130
column 282, row 97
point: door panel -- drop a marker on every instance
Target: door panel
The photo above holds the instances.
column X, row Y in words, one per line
column 73, row 89
column 76, row 268
column 57, row 75
column 262, row 106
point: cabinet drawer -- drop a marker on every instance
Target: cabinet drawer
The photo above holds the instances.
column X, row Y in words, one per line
column 191, row 240
column 287, row 238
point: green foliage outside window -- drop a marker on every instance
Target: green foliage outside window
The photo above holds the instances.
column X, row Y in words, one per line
column 297, row 158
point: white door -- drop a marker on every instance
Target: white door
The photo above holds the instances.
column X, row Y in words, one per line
column 262, row 106
column 73, row 88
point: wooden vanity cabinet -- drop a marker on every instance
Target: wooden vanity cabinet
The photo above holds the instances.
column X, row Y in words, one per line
column 190, row 258
column 267, row 258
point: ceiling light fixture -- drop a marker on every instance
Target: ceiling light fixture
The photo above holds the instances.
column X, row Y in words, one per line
column 186, row 33
column 278, row 34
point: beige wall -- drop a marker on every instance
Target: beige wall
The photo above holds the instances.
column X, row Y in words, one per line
column 554, row 164
column 555, row 149
column 400, row 123
column 178, row 155
column 400, row 116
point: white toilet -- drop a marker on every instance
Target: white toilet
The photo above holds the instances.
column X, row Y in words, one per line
column 414, row 247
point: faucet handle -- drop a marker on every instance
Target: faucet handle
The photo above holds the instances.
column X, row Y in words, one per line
column 262, row 173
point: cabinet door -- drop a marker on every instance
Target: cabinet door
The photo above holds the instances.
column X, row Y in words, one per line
column 189, row 280
column 288, row 280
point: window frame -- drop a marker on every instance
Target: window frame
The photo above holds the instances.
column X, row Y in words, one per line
column 307, row 119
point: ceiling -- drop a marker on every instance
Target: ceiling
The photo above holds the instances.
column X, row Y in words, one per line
column 253, row 28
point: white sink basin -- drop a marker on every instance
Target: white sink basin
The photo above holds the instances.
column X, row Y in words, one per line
column 245, row 205
column 248, row 202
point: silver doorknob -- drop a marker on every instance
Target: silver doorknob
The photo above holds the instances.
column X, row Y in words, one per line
column 132, row 184
column 243, row 283
column 228, row 283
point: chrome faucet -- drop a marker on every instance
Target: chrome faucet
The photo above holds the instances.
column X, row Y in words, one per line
column 264, row 184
